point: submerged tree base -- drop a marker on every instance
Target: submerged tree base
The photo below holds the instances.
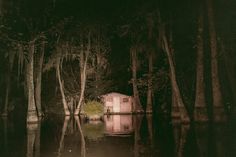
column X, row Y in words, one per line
column 219, row 114
column 67, row 113
column 32, row 127
column 175, row 114
column 184, row 115
column 32, row 117
column 148, row 111
column 200, row 114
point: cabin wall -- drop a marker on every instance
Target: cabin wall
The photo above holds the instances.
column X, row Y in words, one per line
column 117, row 104
column 126, row 104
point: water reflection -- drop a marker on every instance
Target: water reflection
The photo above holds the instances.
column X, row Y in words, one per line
column 63, row 132
column 180, row 136
column 218, row 141
column 118, row 124
column 116, row 136
column 33, row 139
column 4, row 138
column 83, row 148
column 150, row 128
column 202, row 139
column 137, row 138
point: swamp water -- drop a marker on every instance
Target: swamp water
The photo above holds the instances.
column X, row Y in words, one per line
column 115, row 136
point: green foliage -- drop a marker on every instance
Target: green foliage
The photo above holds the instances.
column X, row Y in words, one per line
column 93, row 108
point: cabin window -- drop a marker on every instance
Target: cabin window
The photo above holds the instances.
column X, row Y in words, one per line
column 109, row 99
column 125, row 99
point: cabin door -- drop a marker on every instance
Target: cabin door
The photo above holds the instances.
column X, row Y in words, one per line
column 116, row 105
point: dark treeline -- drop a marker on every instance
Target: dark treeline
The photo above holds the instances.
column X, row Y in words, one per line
column 175, row 58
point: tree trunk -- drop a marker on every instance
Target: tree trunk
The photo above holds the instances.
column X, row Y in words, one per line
column 65, row 106
column 175, row 113
column 8, row 83
column 32, row 112
column 137, row 104
column 200, row 110
column 83, row 70
column 218, row 108
column 183, row 112
column 150, row 91
column 82, row 82
column 38, row 79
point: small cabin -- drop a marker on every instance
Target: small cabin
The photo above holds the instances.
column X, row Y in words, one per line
column 117, row 103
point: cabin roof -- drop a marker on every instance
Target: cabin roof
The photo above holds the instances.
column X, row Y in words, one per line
column 114, row 94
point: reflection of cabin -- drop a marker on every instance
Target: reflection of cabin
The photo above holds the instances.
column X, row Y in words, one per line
column 118, row 124
column 117, row 103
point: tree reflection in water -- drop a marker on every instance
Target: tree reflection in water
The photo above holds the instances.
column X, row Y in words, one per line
column 123, row 136
column 202, row 137
column 218, row 140
column 33, row 139
column 137, row 125
column 180, row 135
column 64, row 128
column 68, row 134
column 83, row 148
column 5, row 134
column 150, row 128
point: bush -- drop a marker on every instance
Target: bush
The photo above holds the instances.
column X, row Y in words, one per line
column 93, row 108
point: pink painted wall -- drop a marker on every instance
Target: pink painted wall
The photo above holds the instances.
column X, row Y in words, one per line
column 117, row 103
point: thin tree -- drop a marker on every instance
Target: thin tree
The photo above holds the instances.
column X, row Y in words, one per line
column 134, row 60
column 218, row 107
column 200, row 110
column 32, row 116
column 11, row 56
column 38, row 77
column 58, row 73
column 150, row 25
column 175, row 88
column 84, row 55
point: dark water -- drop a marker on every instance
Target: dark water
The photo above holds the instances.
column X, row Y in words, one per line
column 116, row 136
